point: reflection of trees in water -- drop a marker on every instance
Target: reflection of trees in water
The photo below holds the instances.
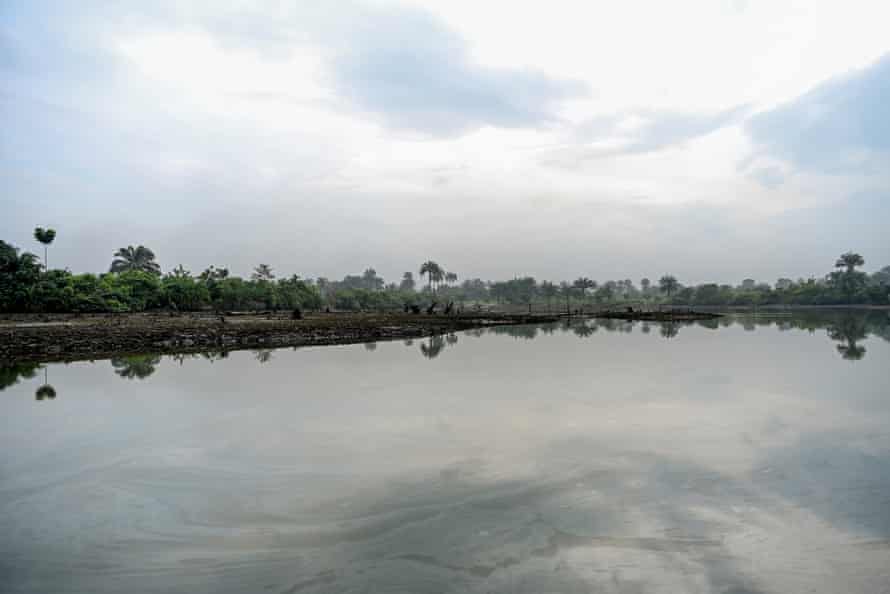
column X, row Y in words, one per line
column 646, row 328
column 408, row 342
column 712, row 324
column 12, row 373
column 526, row 331
column 262, row 355
column 451, row 339
column 433, row 346
column 370, row 346
column 46, row 391
column 669, row 329
column 848, row 330
column 135, row 366
column 583, row 330
column 211, row 356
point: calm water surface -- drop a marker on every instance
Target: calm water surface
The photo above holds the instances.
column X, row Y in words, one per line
column 744, row 456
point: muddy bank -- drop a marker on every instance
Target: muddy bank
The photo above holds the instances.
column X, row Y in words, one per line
column 69, row 337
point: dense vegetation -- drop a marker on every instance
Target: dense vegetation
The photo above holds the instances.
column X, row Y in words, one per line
column 135, row 282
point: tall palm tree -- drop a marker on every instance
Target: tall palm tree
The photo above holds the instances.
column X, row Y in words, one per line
column 138, row 258
column 263, row 272
column 433, row 272
column 668, row 284
column 46, row 237
column 583, row 283
column 438, row 277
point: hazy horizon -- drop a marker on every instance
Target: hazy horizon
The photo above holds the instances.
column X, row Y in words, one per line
column 714, row 141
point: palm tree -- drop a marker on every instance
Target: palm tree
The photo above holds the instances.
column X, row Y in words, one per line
column 46, row 237
column 138, row 258
column 450, row 277
column 433, row 272
column 407, row 283
column 668, row 284
column 583, row 283
column 438, row 277
column 263, row 272
column 850, row 280
column 849, row 261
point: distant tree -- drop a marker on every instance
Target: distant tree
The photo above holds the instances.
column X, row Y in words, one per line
column 135, row 259
column 628, row 288
column 645, row 284
column 549, row 291
column 371, row 281
column 433, row 272
column 438, row 277
column 748, row 284
column 849, row 280
column 583, row 284
column 262, row 272
column 849, row 261
column 566, row 290
column 46, row 237
column 784, row 284
column 881, row 277
column 450, row 277
column 668, row 284
column 180, row 273
column 407, row 283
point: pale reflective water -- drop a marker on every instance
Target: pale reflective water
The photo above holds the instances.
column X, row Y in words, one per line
column 739, row 456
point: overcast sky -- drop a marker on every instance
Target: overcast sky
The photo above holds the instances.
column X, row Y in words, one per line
column 714, row 139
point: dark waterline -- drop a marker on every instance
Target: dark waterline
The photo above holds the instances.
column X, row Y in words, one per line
column 734, row 455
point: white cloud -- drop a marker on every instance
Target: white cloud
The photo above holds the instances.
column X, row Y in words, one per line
column 385, row 130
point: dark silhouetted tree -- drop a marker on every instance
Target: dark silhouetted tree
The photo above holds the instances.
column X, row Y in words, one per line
column 139, row 258
column 46, row 237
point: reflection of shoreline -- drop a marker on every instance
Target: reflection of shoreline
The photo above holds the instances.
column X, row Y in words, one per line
column 844, row 327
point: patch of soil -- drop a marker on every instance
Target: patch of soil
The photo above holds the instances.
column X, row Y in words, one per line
column 69, row 337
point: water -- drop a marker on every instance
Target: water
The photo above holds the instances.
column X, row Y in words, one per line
column 743, row 456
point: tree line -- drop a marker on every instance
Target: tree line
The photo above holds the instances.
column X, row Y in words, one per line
column 136, row 282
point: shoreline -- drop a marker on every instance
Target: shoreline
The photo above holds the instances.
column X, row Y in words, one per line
column 69, row 337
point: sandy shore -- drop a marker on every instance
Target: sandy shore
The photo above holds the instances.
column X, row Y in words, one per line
column 71, row 337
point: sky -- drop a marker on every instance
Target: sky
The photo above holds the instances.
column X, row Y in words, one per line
column 715, row 140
